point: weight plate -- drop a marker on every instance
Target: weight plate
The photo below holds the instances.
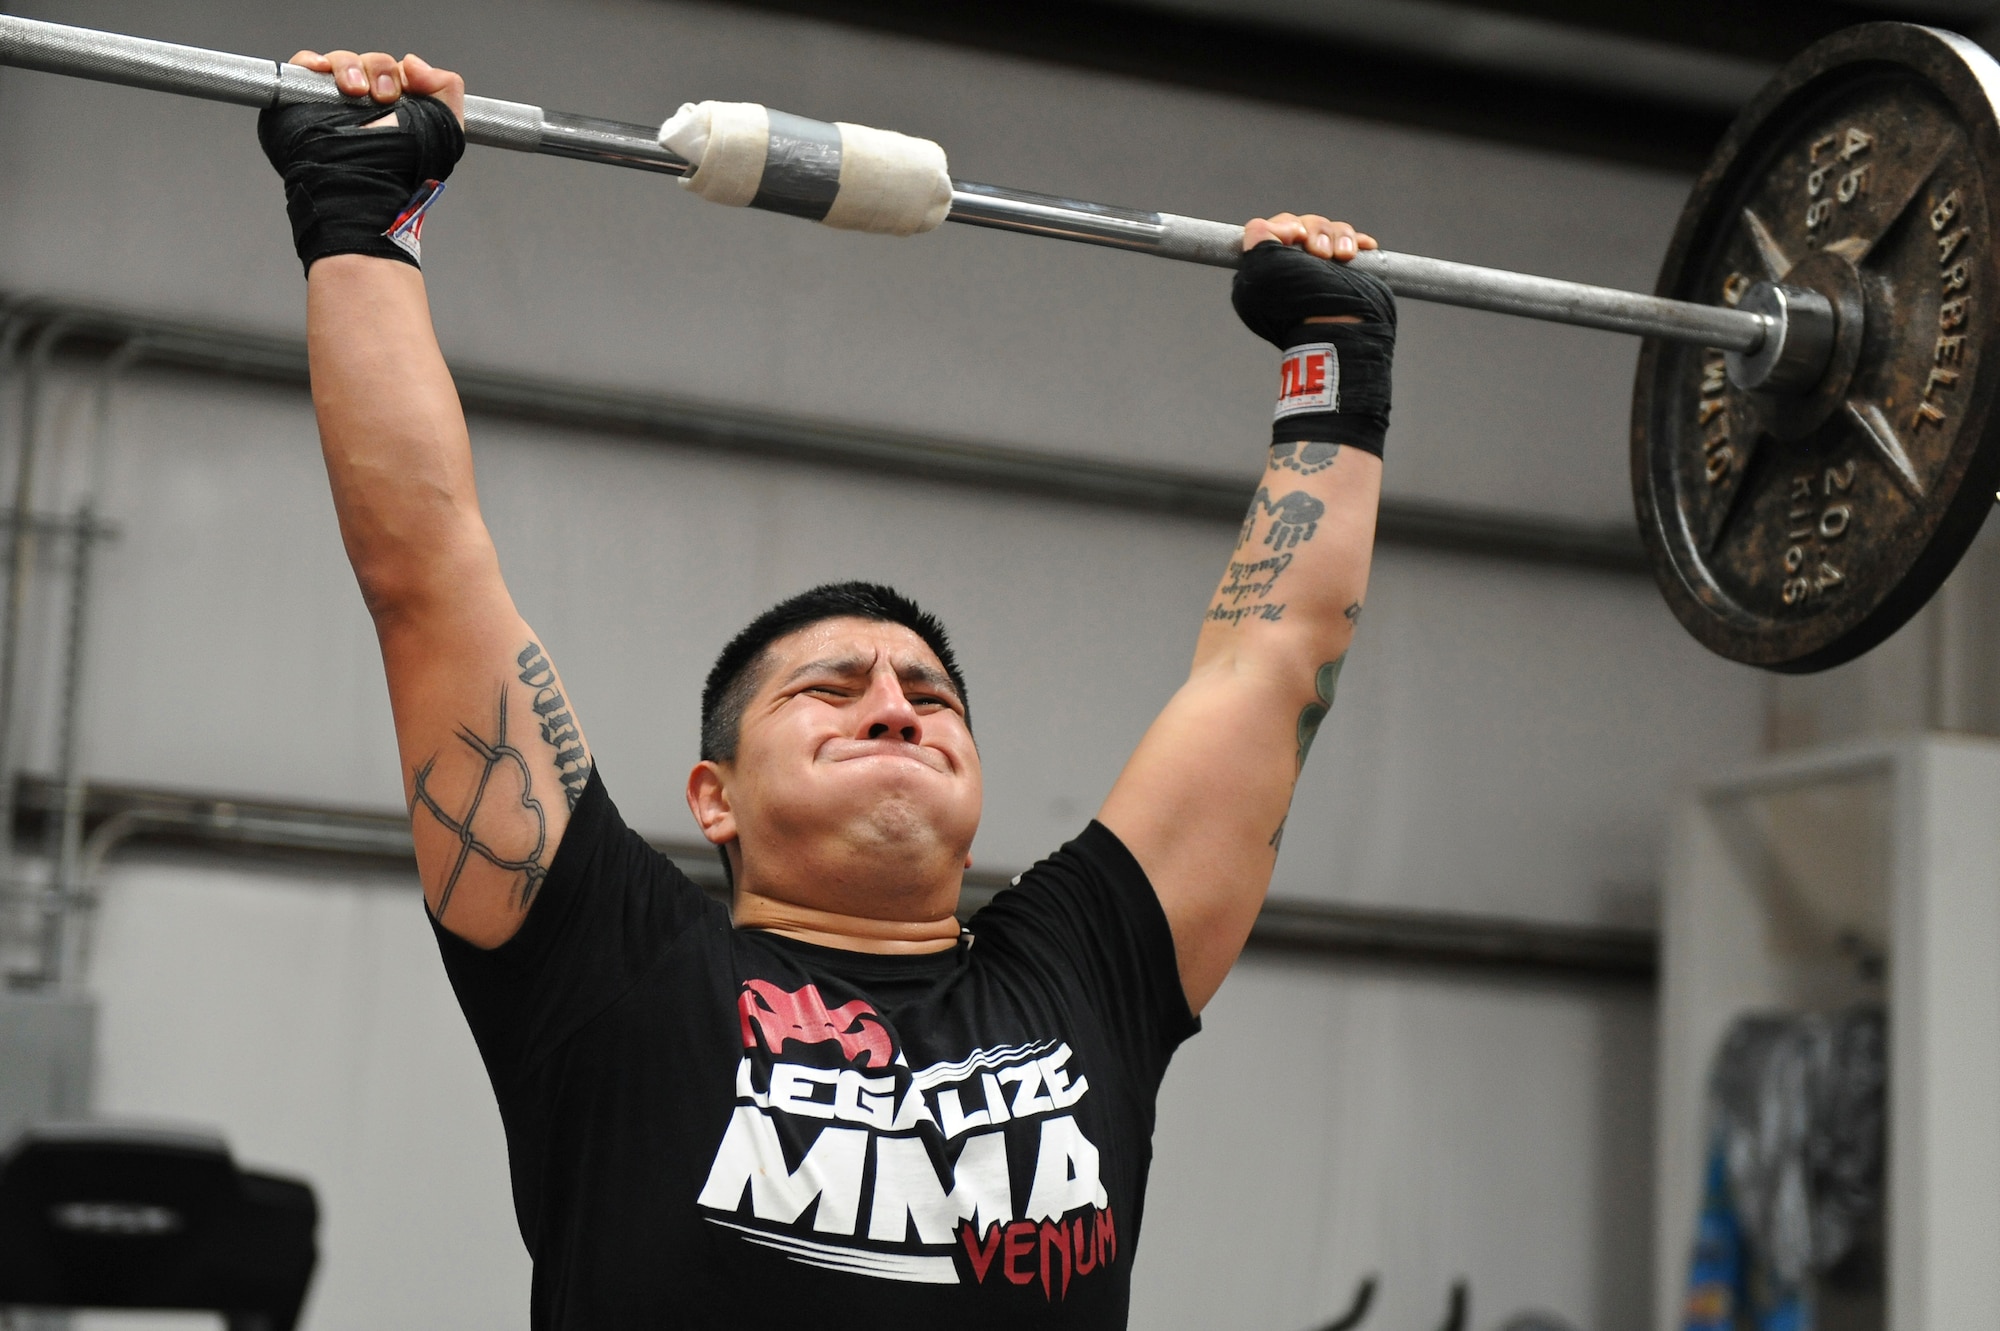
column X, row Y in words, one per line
column 1795, row 531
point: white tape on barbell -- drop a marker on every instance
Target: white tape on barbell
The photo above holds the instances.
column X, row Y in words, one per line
column 726, row 141
column 847, row 176
column 890, row 183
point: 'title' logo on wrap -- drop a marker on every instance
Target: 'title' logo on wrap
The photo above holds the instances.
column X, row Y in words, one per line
column 1308, row 380
column 406, row 233
column 803, row 1017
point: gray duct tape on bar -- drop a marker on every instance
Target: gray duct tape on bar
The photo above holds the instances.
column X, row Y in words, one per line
column 846, row 176
column 801, row 167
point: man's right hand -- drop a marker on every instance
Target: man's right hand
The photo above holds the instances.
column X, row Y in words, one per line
column 385, row 79
column 493, row 754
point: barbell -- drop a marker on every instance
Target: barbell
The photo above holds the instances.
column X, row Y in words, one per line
column 1811, row 448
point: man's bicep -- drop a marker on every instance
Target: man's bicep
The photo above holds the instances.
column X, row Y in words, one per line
column 494, row 759
column 1201, row 804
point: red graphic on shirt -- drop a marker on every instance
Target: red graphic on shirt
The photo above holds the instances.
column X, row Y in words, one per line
column 1078, row 1244
column 804, row 1016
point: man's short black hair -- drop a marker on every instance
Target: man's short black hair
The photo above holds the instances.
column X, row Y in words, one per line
column 735, row 676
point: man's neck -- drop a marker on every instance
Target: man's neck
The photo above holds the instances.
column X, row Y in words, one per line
column 854, row 933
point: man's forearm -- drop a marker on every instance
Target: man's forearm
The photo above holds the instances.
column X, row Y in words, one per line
column 391, row 428
column 1294, row 585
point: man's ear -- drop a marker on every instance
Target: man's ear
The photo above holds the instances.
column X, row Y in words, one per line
column 708, row 801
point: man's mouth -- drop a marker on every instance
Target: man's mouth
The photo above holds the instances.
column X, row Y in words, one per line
column 851, row 750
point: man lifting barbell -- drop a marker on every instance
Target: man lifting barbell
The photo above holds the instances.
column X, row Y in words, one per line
column 829, row 1102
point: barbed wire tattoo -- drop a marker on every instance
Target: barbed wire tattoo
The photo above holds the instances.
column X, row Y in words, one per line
column 492, row 756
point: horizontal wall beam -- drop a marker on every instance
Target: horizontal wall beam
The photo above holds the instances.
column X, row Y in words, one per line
column 1298, row 67
column 1334, row 58
column 1767, row 30
column 119, row 817
column 719, row 428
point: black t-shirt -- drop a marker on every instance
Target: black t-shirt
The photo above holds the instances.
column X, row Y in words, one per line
column 713, row 1127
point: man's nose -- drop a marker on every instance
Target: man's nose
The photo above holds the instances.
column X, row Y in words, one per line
column 886, row 712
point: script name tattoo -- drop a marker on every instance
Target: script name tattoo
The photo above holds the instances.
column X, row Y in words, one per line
column 1246, row 591
column 1251, row 581
column 559, row 730
column 1306, row 458
column 493, row 754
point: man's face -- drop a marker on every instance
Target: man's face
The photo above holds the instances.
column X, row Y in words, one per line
column 853, row 765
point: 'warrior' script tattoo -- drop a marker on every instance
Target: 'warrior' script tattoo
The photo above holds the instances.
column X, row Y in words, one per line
column 475, row 833
column 559, row 730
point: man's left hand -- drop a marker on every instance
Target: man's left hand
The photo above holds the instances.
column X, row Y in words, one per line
column 380, row 76
column 1312, row 233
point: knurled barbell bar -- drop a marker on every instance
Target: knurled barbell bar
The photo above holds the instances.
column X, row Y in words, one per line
column 1810, row 430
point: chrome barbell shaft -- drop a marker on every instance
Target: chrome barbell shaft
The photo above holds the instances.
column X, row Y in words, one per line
column 248, row 81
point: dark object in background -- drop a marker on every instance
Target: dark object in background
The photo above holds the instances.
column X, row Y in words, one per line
column 1535, row 1321
column 1364, row 1298
column 1790, row 1232
column 1456, row 1311
column 100, row 1216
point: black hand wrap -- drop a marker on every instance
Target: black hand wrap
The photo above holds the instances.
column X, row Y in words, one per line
column 350, row 189
column 1334, row 379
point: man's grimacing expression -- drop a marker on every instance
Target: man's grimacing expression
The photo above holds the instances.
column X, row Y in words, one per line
column 854, row 734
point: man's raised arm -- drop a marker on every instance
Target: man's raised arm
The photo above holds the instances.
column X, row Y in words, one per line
column 493, row 756
column 1202, row 802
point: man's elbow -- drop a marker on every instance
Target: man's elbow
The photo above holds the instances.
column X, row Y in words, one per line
column 403, row 582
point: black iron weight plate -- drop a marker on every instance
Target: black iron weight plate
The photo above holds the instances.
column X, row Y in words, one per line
column 1796, row 532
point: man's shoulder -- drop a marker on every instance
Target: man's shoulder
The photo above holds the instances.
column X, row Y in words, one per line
column 1092, row 868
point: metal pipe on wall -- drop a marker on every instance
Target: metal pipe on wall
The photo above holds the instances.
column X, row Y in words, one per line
column 998, row 468
column 41, row 331
column 13, row 332
column 22, row 540
column 121, row 816
column 19, row 326
column 63, row 936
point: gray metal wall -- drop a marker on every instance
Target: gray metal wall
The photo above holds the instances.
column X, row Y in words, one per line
column 1506, row 740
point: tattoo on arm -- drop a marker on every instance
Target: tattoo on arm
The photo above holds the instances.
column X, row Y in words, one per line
column 559, row 730
column 1294, row 518
column 1324, row 682
column 497, row 756
column 1251, row 581
column 1315, row 711
column 1305, row 458
column 1247, row 587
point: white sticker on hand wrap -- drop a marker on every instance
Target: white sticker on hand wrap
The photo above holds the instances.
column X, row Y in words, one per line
column 1308, row 380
